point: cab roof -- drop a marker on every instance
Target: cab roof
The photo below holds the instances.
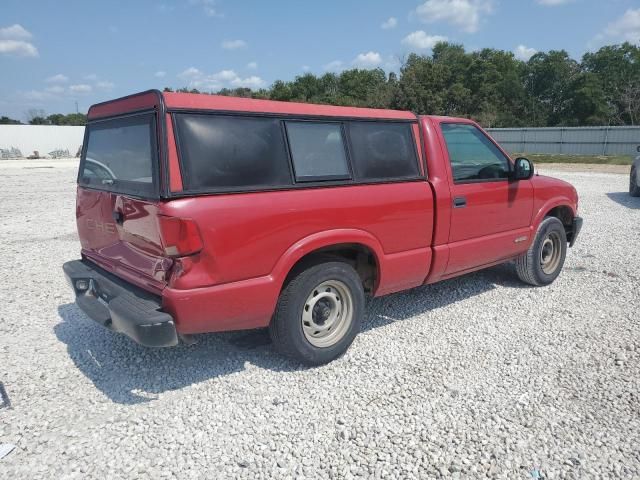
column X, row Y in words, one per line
column 154, row 99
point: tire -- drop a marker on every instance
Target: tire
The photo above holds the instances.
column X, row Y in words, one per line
column 634, row 188
column 543, row 262
column 319, row 313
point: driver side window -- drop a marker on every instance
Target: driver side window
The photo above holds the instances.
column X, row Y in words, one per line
column 472, row 155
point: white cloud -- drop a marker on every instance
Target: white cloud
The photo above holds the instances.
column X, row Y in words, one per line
column 59, row 78
column 91, row 76
column 57, row 89
column 18, row 47
column 367, row 60
column 233, row 44
column 554, row 3
column 208, row 7
column 190, row 72
column 465, row 14
column 334, row 66
column 250, row 82
column 625, row 28
column 524, row 53
column 105, row 85
column 216, row 81
column 81, row 88
column 225, row 76
column 252, row 65
column 389, row 23
column 15, row 32
column 306, row 68
column 160, row 74
column 13, row 41
column 37, row 95
column 421, row 41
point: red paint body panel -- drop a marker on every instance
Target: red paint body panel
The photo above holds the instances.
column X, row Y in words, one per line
column 189, row 101
column 496, row 212
column 134, row 249
column 251, row 241
column 232, row 226
column 551, row 193
column 142, row 101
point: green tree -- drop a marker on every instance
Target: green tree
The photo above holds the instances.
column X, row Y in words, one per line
column 281, row 91
column 39, row 121
column 422, row 85
column 589, row 103
column 9, row 121
column 617, row 71
column 551, row 77
column 56, row 119
column 489, row 85
column 74, row 119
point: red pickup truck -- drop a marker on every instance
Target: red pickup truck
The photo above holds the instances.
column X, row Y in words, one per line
column 204, row 213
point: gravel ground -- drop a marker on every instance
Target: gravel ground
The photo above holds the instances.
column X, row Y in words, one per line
column 586, row 167
column 477, row 376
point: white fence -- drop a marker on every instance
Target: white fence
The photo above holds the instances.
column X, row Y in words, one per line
column 18, row 141
column 569, row 140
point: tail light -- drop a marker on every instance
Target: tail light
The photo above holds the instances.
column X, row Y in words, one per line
column 180, row 236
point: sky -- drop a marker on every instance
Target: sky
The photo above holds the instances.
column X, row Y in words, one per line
column 56, row 55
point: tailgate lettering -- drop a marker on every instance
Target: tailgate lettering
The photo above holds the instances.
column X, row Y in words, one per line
column 104, row 227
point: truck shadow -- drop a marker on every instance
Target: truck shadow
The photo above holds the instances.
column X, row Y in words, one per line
column 128, row 373
column 624, row 199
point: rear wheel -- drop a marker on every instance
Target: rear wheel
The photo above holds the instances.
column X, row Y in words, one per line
column 634, row 188
column 543, row 262
column 319, row 313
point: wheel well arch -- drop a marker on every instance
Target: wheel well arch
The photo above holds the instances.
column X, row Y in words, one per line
column 360, row 256
column 565, row 214
column 562, row 213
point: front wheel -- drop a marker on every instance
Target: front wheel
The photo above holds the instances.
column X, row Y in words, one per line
column 634, row 188
column 542, row 263
column 319, row 313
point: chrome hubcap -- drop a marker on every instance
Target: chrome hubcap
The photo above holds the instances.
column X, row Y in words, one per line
column 327, row 313
column 550, row 253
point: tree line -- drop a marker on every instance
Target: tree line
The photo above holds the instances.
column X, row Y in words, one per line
column 39, row 117
column 488, row 85
column 491, row 86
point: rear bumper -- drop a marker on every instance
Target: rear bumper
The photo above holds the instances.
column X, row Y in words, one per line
column 119, row 305
column 575, row 230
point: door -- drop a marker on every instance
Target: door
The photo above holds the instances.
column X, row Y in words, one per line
column 491, row 214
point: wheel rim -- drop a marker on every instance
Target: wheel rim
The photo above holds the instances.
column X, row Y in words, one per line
column 327, row 313
column 550, row 253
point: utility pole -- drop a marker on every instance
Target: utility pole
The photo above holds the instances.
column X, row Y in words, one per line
column 76, row 106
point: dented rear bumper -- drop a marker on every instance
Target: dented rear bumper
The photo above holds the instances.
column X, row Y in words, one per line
column 119, row 305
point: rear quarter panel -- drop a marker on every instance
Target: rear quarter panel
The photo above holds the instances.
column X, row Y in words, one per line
column 252, row 240
column 246, row 235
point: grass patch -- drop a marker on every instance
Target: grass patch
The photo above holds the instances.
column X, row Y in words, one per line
column 588, row 159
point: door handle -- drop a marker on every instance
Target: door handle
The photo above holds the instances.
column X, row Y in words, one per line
column 459, row 202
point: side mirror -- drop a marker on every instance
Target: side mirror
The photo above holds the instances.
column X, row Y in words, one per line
column 523, row 169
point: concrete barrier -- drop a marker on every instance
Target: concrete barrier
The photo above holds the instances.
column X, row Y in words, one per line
column 20, row 141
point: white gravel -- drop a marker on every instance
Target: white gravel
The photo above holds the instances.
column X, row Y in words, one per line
column 473, row 377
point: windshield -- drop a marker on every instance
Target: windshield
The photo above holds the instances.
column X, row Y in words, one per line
column 120, row 155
